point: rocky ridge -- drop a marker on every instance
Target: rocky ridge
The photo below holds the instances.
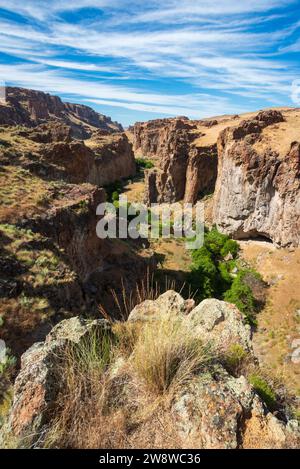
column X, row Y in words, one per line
column 31, row 108
column 51, row 185
column 250, row 163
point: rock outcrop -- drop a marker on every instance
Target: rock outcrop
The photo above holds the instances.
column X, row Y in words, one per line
column 31, row 108
column 110, row 159
column 257, row 189
column 184, row 168
column 213, row 409
column 38, row 383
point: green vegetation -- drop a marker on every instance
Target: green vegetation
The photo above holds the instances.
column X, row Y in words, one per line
column 242, row 296
column 143, row 163
column 82, row 208
column 210, row 272
column 213, row 274
column 235, row 359
column 113, row 191
column 264, row 390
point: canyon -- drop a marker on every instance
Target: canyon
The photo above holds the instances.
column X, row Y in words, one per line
column 251, row 163
column 58, row 161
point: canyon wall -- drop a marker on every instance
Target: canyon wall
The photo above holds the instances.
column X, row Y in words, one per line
column 101, row 161
column 257, row 190
column 184, row 167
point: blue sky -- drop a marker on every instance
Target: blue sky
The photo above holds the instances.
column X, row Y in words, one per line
column 137, row 60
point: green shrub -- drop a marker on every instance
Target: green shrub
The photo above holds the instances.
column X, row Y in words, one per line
column 115, row 196
column 235, row 357
column 242, row 296
column 142, row 163
column 215, row 241
column 204, row 273
column 230, row 247
column 264, row 390
column 113, row 189
column 211, row 275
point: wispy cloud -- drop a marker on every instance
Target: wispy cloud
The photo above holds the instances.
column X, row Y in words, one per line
column 210, row 55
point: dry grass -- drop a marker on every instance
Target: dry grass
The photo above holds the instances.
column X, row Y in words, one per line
column 147, row 289
column 117, row 394
column 82, row 419
column 22, row 194
column 167, row 355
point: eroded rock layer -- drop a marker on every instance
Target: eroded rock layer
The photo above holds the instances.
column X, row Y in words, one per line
column 185, row 167
column 257, row 190
column 31, row 107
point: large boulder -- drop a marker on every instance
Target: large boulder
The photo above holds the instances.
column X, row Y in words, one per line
column 38, row 382
column 221, row 323
column 168, row 304
column 213, row 320
column 223, row 412
column 209, row 409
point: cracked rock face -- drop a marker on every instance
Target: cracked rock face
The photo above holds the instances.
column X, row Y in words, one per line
column 184, row 169
column 257, row 190
column 31, row 108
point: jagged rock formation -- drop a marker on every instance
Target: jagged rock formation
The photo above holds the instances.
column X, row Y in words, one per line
column 185, row 167
column 213, row 409
column 106, row 160
column 253, row 163
column 257, row 190
column 31, row 108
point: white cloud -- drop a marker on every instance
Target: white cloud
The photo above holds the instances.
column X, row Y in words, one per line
column 210, row 46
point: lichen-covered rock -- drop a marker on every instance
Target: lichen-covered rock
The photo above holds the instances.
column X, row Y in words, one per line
column 208, row 414
column 223, row 412
column 221, row 323
column 213, row 320
column 264, row 431
column 38, row 382
column 211, row 409
column 169, row 303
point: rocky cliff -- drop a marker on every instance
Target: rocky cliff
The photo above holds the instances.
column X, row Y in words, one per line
column 185, row 168
column 257, row 190
column 100, row 160
column 251, row 162
column 30, row 108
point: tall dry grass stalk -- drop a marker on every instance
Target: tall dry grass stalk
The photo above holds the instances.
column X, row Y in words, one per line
column 147, row 289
